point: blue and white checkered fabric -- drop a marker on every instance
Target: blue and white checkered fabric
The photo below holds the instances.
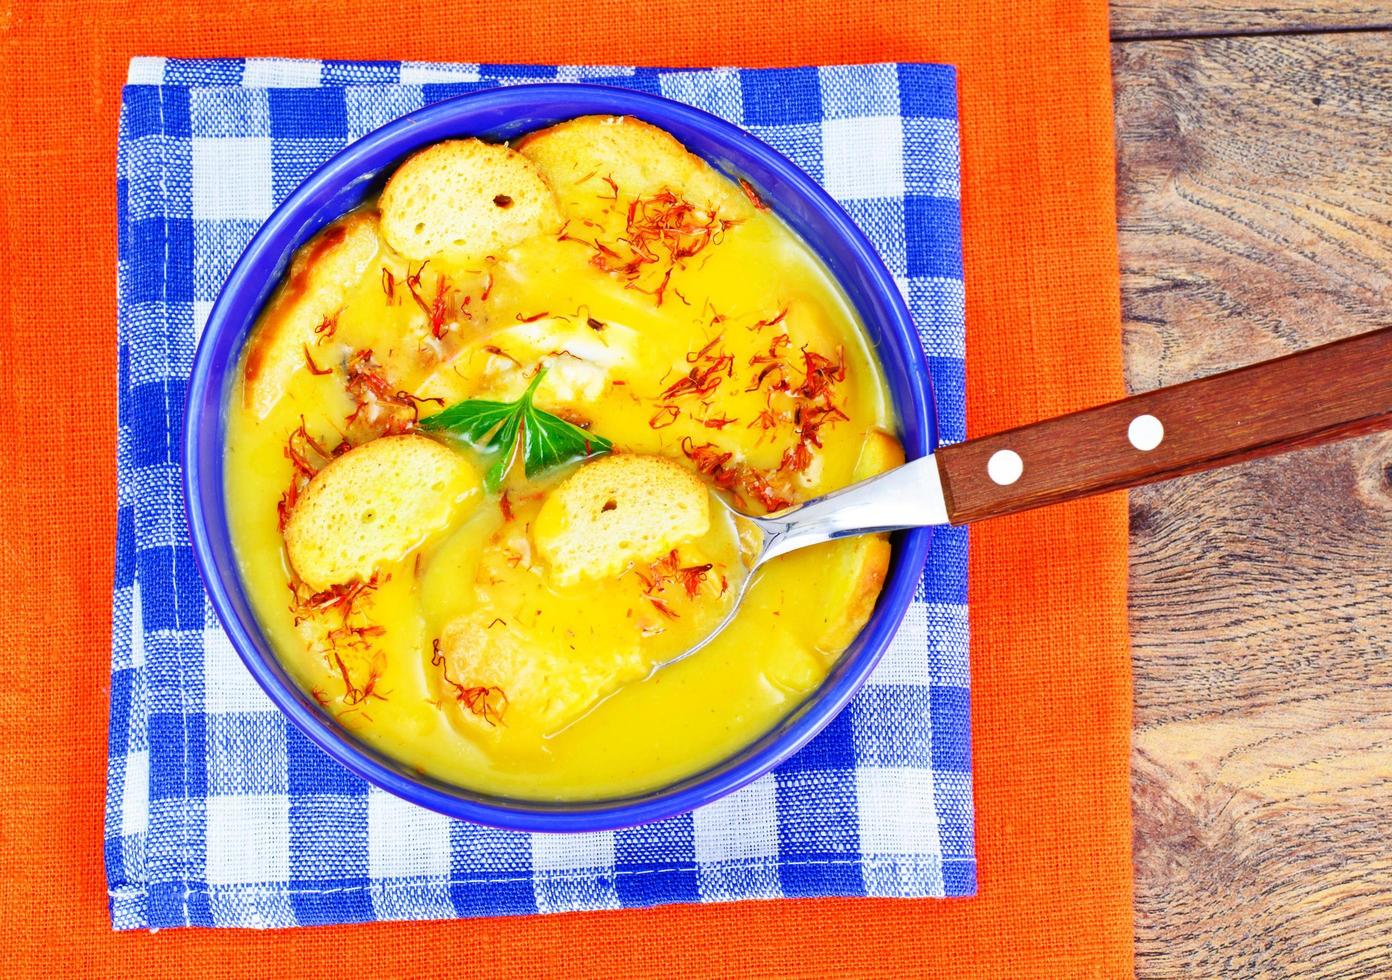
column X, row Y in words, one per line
column 220, row 814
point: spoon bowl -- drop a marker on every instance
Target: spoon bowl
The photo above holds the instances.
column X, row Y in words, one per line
column 904, row 497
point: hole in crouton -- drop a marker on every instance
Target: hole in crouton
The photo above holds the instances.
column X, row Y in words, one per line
column 369, row 516
column 503, row 201
column 458, row 243
column 608, row 506
column 437, row 486
column 420, row 227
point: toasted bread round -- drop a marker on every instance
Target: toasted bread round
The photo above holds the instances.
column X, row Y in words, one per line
column 880, row 452
column 375, row 504
column 465, row 200
column 320, row 277
column 864, row 560
column 639, row 158
column 616, row 511
column 546, row 685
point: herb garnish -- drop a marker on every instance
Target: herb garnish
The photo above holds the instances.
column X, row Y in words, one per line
column 547, row 441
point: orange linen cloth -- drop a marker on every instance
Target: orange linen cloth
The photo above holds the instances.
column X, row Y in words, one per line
column 1050, row 669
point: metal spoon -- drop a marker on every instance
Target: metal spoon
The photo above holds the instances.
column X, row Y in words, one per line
column 1316, row 396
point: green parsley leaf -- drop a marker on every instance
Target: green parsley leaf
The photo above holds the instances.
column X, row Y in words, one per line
column 473, row 421
column 547, row 441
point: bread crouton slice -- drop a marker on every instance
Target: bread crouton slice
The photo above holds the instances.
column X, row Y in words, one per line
column 577, row 156
column 863, row 561
column 321, row 274
column 375, row 504
column 524, row 681
column 617, row 511
column 465, row 200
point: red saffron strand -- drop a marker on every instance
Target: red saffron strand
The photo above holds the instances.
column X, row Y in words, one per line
column 710, row 460
column 387, row 407
column 714, row 462
column 662, row 607
column 342, row 599
column 692, row 576
column 760, row 488
column 815, row 407
column 662, row 286
column 438, row 309
column 314, row 369
column 753, row 195
column 488, row 703
column 499, row 352
column 659, row 228
column 693, row 356
column 664, row 416
column 759, row 378
column 349, row 688
column 764, row 420
column 709, row 368
column 760, row 324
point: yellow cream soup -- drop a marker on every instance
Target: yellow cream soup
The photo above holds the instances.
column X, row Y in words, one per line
column 615, row 360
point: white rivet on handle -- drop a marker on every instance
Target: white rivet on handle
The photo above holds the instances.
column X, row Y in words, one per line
column 1145, row 432
column 1005, row 467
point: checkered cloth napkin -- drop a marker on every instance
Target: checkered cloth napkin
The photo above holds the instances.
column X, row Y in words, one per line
column 219, row 813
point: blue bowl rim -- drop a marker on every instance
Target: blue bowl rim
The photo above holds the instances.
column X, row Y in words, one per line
column 918, row 431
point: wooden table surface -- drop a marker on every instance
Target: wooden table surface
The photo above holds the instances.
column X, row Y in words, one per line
column 1254, row 195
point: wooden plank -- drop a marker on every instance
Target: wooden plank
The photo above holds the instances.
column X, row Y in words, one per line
column 1135, row 19
column 1255, row 216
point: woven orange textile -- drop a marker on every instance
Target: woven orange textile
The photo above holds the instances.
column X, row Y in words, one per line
column 1050, row 667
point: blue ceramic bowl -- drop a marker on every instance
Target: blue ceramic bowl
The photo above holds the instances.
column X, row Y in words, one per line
column 358, row 172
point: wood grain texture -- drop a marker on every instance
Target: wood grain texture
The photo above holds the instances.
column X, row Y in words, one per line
column 1255, row 213
column 1329, row 392
column 1134, row 19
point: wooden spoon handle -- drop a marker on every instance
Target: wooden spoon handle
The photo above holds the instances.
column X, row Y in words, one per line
column 1332, row 392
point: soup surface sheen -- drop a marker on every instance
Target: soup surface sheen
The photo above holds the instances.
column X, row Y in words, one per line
column 743, row 320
